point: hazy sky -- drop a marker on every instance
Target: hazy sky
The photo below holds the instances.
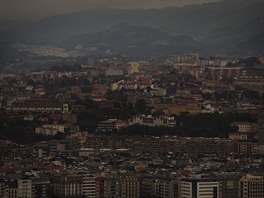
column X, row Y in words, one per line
column 35, row 9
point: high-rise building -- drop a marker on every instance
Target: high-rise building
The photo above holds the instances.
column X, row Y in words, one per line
column 158, row 186
column 9, row 189
column 107, row 186
column 229, row 185
column 261, row 127
column 41, row 188
column 129, row 186
column 89, row 185
column 67, row 186
column 199, row 187
column 220, row 185
column 252, row 186
column 2, row 188
column 24, row 188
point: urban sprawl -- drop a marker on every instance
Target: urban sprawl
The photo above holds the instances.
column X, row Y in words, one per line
column 183, row 127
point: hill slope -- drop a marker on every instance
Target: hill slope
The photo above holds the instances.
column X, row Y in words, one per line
column 219, row 28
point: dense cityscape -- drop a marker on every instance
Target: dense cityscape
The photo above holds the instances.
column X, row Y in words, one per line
column 131, row 98
column 185, row 127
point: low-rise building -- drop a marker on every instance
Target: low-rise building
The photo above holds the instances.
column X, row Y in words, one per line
column 149, row 120
column 243, row 127
column 110, row 125
column 50, row 129
column 238, row 136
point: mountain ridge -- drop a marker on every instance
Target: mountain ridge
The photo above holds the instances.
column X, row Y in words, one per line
column 215, row 26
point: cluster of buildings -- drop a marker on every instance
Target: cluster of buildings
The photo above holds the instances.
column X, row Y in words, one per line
column 152, row 121
column 172, row 87
column 120, row 184
column 111, row 125
column 74, row 109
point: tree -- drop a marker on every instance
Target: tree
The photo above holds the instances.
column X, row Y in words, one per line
column 90, row 104
column 253, row 95
column 117, row 95
column 140, row 105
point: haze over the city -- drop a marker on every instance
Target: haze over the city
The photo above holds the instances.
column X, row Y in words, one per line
column 36, row 9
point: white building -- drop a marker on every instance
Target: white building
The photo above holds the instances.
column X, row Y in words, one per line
column 45, row 131
column 58, row 127
column 200, row 188
column 50, row 129
column 133, row 67
column 24, row 188
column 89, row 185
column 110, row 125
column 238, row 136
column 157, row 91
column 243, row 127
column 86, row 152
column 149, row 120
column 114, row 72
